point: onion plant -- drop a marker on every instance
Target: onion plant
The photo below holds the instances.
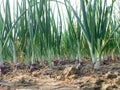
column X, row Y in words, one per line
column 95, row 23
column 34, row 31
column 74, row 35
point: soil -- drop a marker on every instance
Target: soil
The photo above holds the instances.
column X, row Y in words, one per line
column 64, row 77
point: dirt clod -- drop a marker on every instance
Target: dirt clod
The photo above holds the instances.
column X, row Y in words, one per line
column 99, row 81
column 111, row 75
column 118, row 81
column 70, row 70
column 113, row 87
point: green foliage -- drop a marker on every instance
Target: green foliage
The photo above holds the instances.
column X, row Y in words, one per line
column 95, row 23
column 35, row 32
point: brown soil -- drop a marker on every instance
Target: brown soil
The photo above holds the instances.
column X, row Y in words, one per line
column 64, row 77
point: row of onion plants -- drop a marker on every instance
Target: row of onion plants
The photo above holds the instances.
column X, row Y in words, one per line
column 34, row 32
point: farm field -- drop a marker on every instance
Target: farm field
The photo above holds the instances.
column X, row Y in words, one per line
column 59, row 44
